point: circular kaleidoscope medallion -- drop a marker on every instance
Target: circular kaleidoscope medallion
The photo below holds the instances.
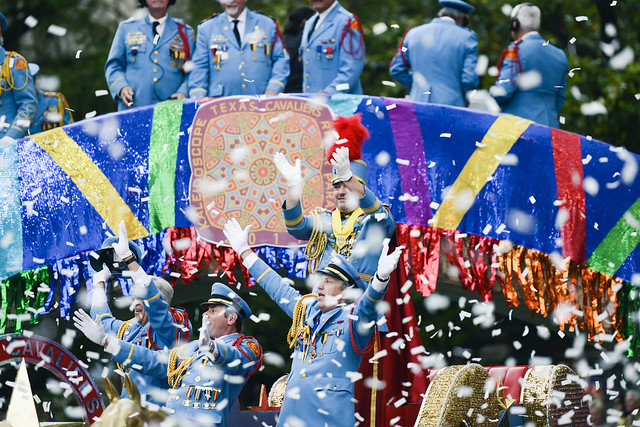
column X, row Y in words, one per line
column 231, row 148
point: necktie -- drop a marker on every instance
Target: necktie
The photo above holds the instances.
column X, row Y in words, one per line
column 313, row 27
column 235, row 31
column 155, row 24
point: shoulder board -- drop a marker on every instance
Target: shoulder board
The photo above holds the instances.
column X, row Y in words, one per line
column 52, row 94
column 209, row 17
column 512, row 52
column 132, row 19
column 20, row 63
column 323, row 211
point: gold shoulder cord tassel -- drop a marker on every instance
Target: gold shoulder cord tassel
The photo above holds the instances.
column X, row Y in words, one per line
column 297, row 326
column 121, row 330
column 317, row 242
column 176, row 373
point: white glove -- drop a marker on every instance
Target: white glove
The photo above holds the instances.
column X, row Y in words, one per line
column 204, row 341
column 340, row 161
column 122, row 247
column 92, row 330
column 103, row 275
column 293, row 174
column 238, row 238
column 388, row 261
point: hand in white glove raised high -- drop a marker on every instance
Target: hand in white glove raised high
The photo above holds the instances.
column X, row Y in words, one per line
column 388, row 261
column 102, row 276
column 293, row 174
column 122, row 247
column 92, row 330
column 340, row 161
column 204, row 341
column 238, row 238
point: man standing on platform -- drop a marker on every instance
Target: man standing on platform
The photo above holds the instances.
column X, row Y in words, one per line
column 330, row 333
column 357, row 226
column 332, row 50
column 52, row 111
column 533, row 72
column 204, row 376
column 437, row 61
column 147, row 57
column 155, row 325
column 17, row 93
column 238, row 52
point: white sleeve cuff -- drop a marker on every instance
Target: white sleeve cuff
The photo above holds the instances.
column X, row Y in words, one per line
column 250, row 260
column 378, row 285
column 140, row 277
column 98, row 297
column 113, row 346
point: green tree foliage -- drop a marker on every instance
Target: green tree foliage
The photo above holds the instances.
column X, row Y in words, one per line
column 90, row 26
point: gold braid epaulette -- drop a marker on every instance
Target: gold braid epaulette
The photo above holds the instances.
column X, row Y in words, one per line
column 121, row 330
column 7, row 75
column 299, row 313
column 175, row 371
column 317, row 242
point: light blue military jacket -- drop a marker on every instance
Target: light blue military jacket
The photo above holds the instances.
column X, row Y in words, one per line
column 541, row 94
column 223, row 68
column 18, row 97
column 52, row 112
column 436, row 62
column 202, row 390
column 164, row 329
column 154, row 71
column 375, row 218
column 333, row 58
column 320, row 385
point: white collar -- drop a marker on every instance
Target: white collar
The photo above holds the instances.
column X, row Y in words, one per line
column 324, row 14
column 241, row 18
column 161, row 20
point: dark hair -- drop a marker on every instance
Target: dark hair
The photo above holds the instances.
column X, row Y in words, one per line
column 296, row 17
column 143, row 3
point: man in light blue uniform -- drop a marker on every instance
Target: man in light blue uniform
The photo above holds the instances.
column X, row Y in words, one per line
column 147, row 57
column 436, row 62
column 52, row 111
column 329, row 334
column 533, row 72
column 17, row 93
column 238, row 52
column 205, row 376
column 357, row 226
column 155, row 325
column 332, row 50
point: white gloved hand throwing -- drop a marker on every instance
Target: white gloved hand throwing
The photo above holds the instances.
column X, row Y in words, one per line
column 92, row 330
column 292, row 173
column 204, row 341
column 238, row 238
column 388, row 262
column 340, row 161
column 122, row 247
column 103, row 275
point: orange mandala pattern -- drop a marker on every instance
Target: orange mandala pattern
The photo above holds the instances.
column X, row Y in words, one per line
column 231, row 148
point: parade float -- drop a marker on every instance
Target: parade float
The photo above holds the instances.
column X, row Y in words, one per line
column 547, row 217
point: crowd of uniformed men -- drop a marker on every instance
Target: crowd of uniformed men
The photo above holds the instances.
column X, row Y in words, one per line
column 157, row 57
column 241, row 52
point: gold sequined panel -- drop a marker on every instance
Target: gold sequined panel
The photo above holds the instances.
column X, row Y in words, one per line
column 456, row 394
column 276, row 394
column 552, row 396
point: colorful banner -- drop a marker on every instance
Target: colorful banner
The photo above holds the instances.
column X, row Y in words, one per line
column 233, row 141
column 572, row 199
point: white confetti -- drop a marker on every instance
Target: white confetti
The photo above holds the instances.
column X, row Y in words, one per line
column 388, row 83
column 57, row 30
column 622, row 59
column 581, row 18
column 102, row 92
column 379, row 28
column 30, row 21
column 593, row 108
column 591, row 186
column 342, row 87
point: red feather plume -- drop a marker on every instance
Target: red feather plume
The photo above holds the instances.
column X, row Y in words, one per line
column 351, row 129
